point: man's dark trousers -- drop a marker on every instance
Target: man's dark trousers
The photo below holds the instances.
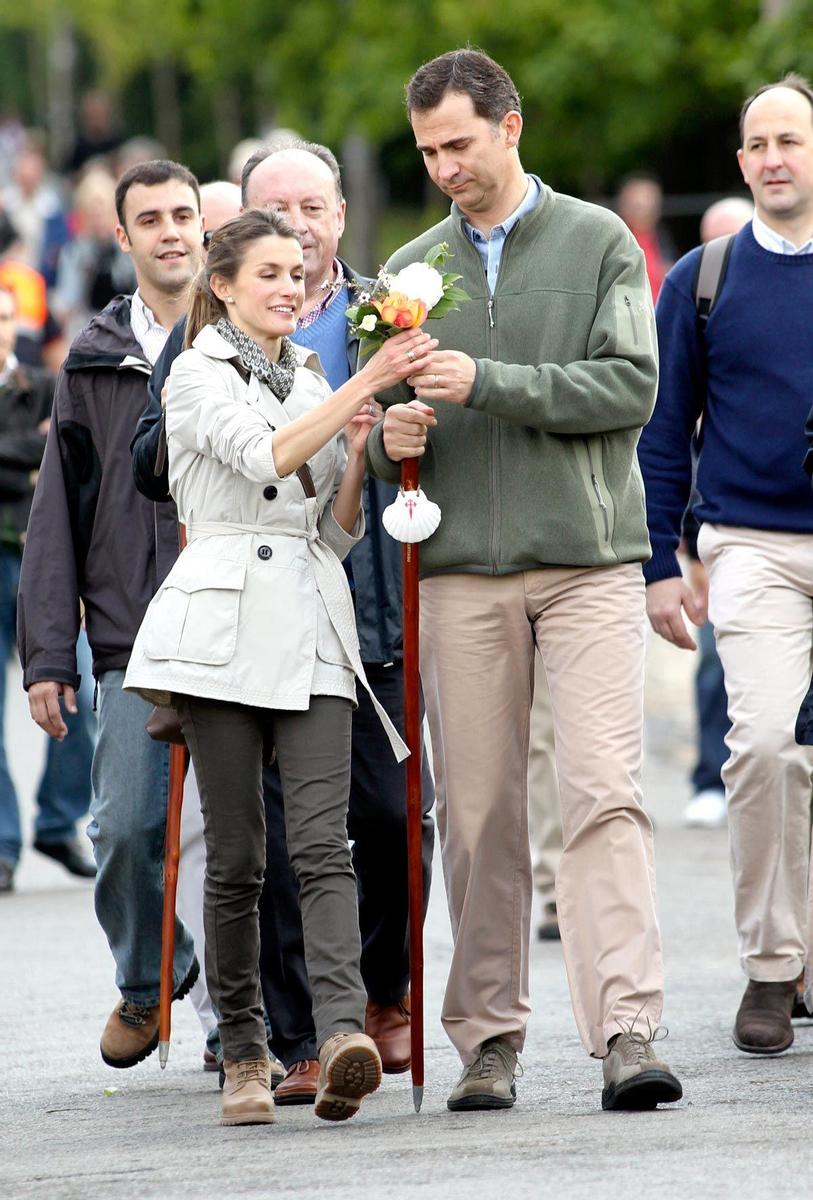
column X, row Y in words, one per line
column 376, row 825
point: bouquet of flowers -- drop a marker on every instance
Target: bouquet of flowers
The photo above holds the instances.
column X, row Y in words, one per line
column 406, row 299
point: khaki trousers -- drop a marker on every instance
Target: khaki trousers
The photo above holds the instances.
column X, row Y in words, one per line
column 544, row 810
column 477, row 651
column 760, row 592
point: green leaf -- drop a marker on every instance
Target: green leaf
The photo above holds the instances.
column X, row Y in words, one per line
column 442, row 307
column 437, row 256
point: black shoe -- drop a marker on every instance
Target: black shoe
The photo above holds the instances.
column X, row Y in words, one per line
column 548, row 930
column 800, row 1011
column 7, row 870
column 70, row 855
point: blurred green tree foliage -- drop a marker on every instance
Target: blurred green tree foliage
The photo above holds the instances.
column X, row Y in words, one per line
column 606, row 84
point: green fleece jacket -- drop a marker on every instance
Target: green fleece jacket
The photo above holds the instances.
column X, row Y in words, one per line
column 539, row 468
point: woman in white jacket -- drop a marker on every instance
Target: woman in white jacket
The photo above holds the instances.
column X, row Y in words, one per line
column 252, row 637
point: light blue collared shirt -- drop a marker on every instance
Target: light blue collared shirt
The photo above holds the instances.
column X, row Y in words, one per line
column 769, row 239
column 490, row 248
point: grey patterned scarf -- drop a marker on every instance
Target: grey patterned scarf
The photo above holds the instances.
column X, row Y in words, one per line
column 278, row 375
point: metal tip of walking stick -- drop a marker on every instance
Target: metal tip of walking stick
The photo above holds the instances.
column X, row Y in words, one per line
column 417, row 1097
column 163, row 1054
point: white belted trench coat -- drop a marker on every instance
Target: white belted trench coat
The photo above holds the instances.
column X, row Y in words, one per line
column 257, row 609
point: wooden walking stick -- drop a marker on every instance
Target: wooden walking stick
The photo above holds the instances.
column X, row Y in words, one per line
column 178, row 763
column 412, row 723
column 410, row 519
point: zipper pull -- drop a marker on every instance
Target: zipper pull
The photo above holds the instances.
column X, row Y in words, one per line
column 628, row 302
column 491, row 313
column 597, row 490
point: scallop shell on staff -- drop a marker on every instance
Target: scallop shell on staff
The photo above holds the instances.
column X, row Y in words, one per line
column 412, row 517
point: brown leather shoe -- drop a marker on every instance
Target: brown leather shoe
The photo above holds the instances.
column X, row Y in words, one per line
column 349, row 1069
column 300, row 1083
column 763, row 1021
column 247, row 1098
column 131, row 1032
column 389, row 1027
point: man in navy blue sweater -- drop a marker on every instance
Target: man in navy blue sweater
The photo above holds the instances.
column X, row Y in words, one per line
column 749, row 374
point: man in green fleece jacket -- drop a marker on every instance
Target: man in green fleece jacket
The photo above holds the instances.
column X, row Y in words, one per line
column 527, row 422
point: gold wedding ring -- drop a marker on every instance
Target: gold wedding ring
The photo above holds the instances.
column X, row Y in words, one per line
column 435, row 381
column 410, row 355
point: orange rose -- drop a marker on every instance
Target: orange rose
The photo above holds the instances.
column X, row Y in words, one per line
column 401, row 312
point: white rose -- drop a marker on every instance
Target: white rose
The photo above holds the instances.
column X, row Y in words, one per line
column 368, row 323
column 419, row 282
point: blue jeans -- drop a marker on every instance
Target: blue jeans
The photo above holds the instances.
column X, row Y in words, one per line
column 63, row 796
column 712, row 714
column 127, row 828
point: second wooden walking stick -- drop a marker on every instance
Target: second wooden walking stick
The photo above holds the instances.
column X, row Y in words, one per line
column 410, row 519
column 178, row 763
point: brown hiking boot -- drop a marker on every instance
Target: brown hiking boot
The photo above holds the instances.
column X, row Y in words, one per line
column 131, row 1032
column 247, row 1098
column 349, row 1069
column 763, row 1021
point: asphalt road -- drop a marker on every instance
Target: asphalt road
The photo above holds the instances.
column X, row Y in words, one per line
column 73, row 1129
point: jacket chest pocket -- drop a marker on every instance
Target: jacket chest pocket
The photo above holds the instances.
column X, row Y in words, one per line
column 195, row 616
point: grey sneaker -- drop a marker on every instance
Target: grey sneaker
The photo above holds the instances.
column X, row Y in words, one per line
column 634, row 1079
column 488, row 1082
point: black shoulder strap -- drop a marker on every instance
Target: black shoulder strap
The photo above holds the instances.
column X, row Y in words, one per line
column 304, row 472
column 710, row 276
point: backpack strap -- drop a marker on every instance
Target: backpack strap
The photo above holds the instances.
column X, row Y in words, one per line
column 303, row 473
column 710, row 276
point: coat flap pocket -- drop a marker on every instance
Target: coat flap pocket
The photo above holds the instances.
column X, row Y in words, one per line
column 197, row 575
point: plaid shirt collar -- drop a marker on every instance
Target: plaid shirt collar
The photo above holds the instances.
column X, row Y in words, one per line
column 331, row 292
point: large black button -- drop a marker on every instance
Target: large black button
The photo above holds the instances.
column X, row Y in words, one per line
column 270, row 492
column 264, row 552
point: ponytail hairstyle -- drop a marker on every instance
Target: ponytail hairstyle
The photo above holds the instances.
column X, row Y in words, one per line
column 225, row 257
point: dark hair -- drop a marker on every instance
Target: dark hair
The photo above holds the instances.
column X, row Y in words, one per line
column 157, row 170
column 226, row 252
column 471, row 72
column 796, row 83
column 315, row 148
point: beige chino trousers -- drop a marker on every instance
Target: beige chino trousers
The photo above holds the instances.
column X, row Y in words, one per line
column 477, row 665
column 761, row 606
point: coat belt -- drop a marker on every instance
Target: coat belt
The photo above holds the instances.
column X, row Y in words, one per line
column 331, row 583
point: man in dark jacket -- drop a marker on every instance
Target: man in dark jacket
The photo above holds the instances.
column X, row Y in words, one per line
column 94, row 540
column 304, row 182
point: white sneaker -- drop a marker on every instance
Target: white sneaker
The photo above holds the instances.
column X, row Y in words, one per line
column 707, row 809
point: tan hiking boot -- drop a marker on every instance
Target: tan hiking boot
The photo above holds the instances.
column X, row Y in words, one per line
column 247, row 1098
column 488, row 1082
column 131, row 1032
column 634, row 1078
column 349, row 1069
